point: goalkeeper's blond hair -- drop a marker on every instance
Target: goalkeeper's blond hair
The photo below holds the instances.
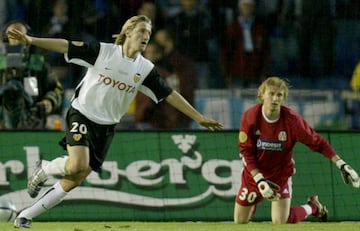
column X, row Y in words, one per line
column 273, row 81
column 129, row 25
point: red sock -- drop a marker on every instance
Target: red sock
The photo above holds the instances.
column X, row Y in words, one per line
column 297, row 213
column 314, row 208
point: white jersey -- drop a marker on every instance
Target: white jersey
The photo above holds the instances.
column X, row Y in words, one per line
column 112, row 81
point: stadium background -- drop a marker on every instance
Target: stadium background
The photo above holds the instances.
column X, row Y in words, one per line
column 326, row 102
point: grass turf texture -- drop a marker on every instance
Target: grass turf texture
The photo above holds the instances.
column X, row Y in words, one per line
column 183, row 226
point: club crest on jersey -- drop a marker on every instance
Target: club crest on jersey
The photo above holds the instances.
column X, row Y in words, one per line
column 137, row 77
column 77, row 137
column 282, row 136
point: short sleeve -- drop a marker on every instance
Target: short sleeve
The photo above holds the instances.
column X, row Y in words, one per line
column 82, row 53
column 157, row 85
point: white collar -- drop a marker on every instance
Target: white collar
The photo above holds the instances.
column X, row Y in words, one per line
column 266, row 118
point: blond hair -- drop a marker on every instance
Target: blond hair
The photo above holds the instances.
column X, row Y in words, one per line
column 276, row 82
column 129, row 25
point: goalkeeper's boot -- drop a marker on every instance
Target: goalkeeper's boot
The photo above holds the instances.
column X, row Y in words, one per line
column 37, row 179
column 22, row 222
column 322, row 212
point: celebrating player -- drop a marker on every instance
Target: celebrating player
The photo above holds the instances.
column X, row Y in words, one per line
column 115, row 73
column 267, row 137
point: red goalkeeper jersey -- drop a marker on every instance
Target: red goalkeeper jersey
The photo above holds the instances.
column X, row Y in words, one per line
column 268, row 146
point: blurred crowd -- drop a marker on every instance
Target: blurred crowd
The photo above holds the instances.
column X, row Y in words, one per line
column 196, row 44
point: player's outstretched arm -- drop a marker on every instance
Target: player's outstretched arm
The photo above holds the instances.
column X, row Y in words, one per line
column 52, row 44
column 348, row 174
column 177, row 101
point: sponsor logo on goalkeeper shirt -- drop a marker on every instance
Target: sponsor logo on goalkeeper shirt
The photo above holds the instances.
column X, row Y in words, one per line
column 269, row 145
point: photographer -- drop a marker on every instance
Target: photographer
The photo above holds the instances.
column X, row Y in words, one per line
column 28, row 94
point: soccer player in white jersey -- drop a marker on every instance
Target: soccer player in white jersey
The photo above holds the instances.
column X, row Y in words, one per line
column 115, row 73
column 268, row 133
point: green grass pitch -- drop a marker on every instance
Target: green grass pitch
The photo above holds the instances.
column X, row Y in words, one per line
column 184, row 226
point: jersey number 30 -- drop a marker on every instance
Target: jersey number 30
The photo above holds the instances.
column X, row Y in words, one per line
column 245, row 195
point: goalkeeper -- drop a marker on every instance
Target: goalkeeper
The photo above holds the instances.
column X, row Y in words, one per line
column 267, row 136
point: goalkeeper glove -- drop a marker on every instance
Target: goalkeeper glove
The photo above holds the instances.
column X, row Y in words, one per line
column 348, row 174
column 267, row 188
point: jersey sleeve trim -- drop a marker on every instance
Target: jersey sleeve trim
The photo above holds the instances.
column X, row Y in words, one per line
column 155, row 87
column 83, row 54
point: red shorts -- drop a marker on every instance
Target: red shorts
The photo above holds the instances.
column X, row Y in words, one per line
column 249, row 193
